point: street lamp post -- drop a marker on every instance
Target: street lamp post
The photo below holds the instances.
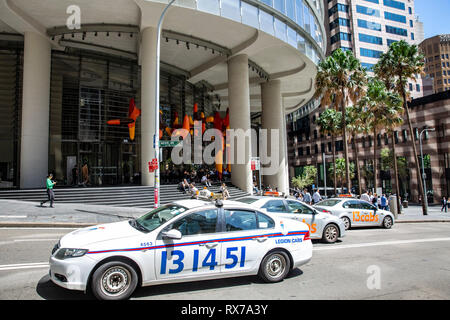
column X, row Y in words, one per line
column 423, row 170
column 156, row 136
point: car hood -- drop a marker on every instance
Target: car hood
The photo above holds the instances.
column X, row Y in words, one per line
column 82, row 238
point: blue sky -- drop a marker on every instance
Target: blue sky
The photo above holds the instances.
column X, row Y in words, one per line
column 435, row 14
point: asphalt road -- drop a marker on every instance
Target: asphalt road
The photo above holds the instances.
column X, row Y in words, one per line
column 410, row 261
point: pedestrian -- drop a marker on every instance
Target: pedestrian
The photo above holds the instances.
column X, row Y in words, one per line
column 375, row 199
column 383, row 202
column 85, row 172
column 49, row 184
column 74, row 175
column 444, row 204
column 365, row 196
column 306, row 196
column 317, row 197
column 224, row 190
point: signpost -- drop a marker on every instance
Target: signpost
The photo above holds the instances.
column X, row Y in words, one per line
column 256, row 165
column 168, row 143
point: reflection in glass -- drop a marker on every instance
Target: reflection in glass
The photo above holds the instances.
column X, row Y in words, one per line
column 279, row 5
column 231, row 9
column 210, row 6
column 266, row 22
column 249, row 15
column 299, row 13
column 280, row 30
column 290, row 9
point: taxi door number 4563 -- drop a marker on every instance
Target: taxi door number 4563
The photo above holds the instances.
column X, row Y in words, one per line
column 177, row 257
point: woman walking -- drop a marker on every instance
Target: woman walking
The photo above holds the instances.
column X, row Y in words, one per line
column 51, row 195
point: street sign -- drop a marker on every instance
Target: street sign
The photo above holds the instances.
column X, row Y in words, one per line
column 255, row 163
column 153, row 165
column 168, row 143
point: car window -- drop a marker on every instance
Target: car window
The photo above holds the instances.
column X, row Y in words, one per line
column 365, row 205
column 158, row 217
column 239, row 220
column 202, row 222
column 297, row 207
column 275, row 206
column 327, row 203
column 352, row 204
column 247, row 200
column 265, row 222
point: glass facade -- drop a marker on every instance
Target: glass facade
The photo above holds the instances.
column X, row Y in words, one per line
column 11, row 74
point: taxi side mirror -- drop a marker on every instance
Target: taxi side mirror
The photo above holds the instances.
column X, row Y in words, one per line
column 172, row 234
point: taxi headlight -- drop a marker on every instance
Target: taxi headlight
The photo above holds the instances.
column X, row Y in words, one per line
column 65, row 253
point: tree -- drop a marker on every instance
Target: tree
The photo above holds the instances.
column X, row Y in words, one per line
column 340, row 172
column 330, row 122
column 396, row 67
column 357, row 122
column 380, row 105
column 306, row 179
column 340, row 80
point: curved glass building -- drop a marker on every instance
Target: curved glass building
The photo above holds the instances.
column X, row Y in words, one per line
column 71, row 69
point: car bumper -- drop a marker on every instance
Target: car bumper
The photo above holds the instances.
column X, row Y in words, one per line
column 302, row 256
column 71, row 273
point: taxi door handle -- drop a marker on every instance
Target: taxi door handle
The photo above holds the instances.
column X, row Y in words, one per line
column 209, row 245
column 262, row 239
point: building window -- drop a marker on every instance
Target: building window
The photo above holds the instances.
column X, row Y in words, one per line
column 395, row 4
column 394, row 17
column 369, row 25
column 397, row 31
column 370, row 53
column 370, row 39
column 368, row 11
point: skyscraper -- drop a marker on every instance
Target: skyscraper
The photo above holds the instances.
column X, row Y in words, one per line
column 369, row 27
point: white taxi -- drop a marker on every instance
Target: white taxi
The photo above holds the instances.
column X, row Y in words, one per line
column 186, row 240
column 356, row 213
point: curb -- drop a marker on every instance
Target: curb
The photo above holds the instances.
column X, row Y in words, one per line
column 422, row 221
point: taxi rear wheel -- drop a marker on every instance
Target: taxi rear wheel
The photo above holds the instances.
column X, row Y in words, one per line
column 114, row 280
column 330, row 233
column 274, row 267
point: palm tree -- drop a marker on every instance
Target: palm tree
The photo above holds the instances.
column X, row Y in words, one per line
column 395, row 67
column 341, row 79
column 357, row 122
column 329, row 122
column 393, row 118
column 376, row 104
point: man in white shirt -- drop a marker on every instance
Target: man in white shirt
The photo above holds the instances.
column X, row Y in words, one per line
column 316, row 197
column 365, row 197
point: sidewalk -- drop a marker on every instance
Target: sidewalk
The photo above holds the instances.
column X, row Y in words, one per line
column 414, row 214
column 29, row 214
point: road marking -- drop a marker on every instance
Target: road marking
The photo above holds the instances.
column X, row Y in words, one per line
column 9, row 267
column 381, row 243
column 14, row 217
column 34, row 240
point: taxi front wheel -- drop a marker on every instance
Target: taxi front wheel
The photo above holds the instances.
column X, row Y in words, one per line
column 114, row 280
column 387, row 222
column 274, row 267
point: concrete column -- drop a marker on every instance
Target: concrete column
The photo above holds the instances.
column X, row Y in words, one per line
column 148, row 85
column 35, row 111
column 272, row 118
column 239, row 105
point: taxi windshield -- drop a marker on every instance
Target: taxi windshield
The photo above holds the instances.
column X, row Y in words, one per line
column 158, row 217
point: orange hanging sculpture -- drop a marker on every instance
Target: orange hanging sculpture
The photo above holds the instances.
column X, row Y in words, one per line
column 133, row 114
